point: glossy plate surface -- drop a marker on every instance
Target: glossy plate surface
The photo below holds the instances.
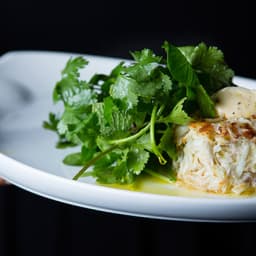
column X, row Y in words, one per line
column 29, row 159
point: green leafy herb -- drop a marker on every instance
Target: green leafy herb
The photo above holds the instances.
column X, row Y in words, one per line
column 124, row 122
column 178, row 115
column 182, row 71
column 210, row 66
column 73, row 159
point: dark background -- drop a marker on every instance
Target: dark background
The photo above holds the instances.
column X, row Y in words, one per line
column 31, row 225
column 113, row 28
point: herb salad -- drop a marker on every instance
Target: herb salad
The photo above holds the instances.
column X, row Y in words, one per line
column 124, row 121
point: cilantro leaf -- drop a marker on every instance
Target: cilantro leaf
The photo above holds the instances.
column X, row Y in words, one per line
column 178, row 115
column 137, row 158
column 73, row 65
column 74, row 93
column 121, row 166
column 101, row 82
column 182, row 71
column 70, row 75
column 52, row 122
column 73, row 159
column 124, row 89
column 124, row 122
column 145, row 56
column 210, row 65
column 112, row 168
column 143, row 81
column 70, row 89
column 113, row 122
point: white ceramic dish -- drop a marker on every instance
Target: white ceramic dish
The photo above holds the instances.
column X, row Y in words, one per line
column 29, row 160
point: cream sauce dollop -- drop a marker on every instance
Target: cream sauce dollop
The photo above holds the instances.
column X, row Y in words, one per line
column 235, row 102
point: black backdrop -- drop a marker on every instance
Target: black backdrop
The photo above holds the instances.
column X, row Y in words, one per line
column 31, row 225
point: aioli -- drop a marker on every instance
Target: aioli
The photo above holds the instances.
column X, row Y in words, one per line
column 235, row 102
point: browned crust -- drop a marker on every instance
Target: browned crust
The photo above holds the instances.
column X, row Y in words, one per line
column 225, row 129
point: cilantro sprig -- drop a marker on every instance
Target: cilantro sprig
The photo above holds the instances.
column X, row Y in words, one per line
column 124, row 122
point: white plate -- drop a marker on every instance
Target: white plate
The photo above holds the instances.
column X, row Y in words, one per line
column 29, row 160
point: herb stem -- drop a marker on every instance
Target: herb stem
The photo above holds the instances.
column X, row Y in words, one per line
column 93, row 161
column 130, row 138
column 160, row 110
column 152, row 137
